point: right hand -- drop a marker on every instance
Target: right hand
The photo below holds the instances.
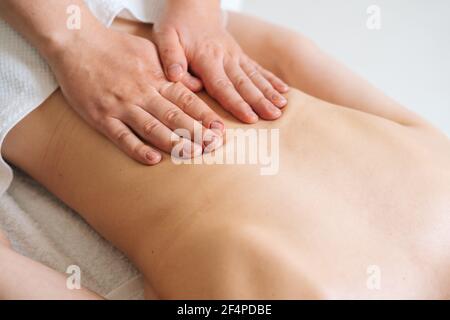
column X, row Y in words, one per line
column 116, row 83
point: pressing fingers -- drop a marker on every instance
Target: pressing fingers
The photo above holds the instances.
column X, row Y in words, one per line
column 263, row 84
column 276, row 82
column 127, row 141
column 251, row 93
column 221, row 88
column 174, row 108
column 160, row 136
column 192, row 105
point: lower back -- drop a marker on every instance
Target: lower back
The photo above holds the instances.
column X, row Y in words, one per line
column 353, row 195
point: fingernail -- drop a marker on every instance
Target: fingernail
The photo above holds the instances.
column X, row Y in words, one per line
column 217, row 125
column 284, row 88
column 153, row 157
column 279, row 100
column 175, row 71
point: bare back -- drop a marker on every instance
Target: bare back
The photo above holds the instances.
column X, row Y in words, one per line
column 353, row 192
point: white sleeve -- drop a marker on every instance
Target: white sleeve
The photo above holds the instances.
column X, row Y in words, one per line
column 141, row 10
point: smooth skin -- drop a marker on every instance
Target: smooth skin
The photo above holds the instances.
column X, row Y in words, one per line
column 363, row 185
column 24, row 279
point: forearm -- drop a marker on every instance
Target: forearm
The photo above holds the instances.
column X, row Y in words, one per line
column 207, row 5
column 200, row 9
column 44, row 23
column 24, row 279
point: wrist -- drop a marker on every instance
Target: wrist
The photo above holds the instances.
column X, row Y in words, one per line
column 193, row 12
column 203, row 3
column 208, row 6
column 53, row 44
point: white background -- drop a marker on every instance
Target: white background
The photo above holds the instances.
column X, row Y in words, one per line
column 409, row 58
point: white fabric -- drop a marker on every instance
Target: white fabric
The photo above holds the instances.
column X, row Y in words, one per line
column 43, row 228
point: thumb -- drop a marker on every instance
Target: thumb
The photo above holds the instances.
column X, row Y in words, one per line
column 172, row 55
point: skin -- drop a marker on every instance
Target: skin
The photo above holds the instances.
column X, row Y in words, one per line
column 140, row 110
column 359, row 185
column 192, row 34
column 22, row 278
column 4, row 241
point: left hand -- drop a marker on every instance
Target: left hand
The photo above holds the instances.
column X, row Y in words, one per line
column 192, row 34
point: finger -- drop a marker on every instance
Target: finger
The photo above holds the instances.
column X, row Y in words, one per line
column 192, row 83
column 192, row 105
column 221, row 88
column 153, row 131
column 276, row 82
column 174, row 116
column 172, row 54
column 126, row 140
column 248, row 90
column 263, row 84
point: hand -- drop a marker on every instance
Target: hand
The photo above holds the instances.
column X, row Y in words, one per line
column 191, row 33
column 116, row 83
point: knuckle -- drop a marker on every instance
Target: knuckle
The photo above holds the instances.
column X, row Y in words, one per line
column 150, row 127
column 122, row 135
column 221, row 83
column 139, row 64
column 97, row 119
column 186, row 100
column 240, row 82
column 168, row 51
column 171, row 115
column 212, row 50
column 151, row 95
column 252, row 72
column 157, row 74
column 105, row 104
column 216, row 52
column 268, row 91
column 100, row 112
column 165, row 88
